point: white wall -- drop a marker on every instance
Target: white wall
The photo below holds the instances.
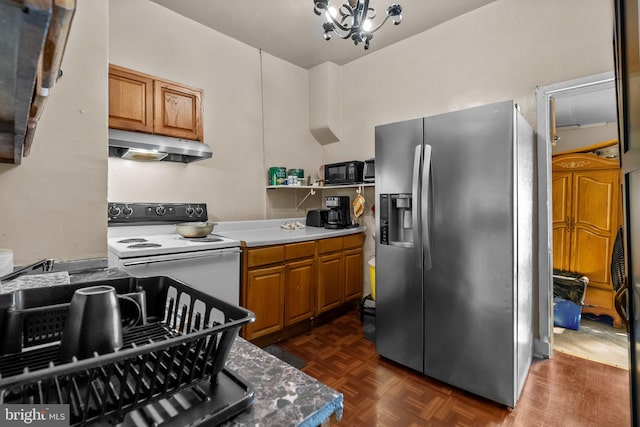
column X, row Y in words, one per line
column 288, row 141
column 54, row 203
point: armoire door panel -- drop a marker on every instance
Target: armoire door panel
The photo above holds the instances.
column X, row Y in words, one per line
column 561, row 248
column 594, row 199
column 592, row 255
column 561, row 197
column 561, row 214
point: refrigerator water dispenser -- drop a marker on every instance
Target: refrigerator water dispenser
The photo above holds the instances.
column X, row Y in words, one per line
column 396, row 220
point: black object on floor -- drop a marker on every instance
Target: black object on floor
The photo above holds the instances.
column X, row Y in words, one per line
column 367, row 310
column 285, row 356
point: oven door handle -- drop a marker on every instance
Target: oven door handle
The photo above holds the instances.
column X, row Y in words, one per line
column 181, row 256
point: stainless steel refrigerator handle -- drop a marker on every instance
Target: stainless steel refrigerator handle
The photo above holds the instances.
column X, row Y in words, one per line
column 425, row 200
column 415, row 213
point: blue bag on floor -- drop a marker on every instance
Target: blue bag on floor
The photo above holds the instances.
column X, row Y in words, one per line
column 566, row 314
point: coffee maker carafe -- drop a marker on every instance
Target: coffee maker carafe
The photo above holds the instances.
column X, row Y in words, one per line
column 338, row 215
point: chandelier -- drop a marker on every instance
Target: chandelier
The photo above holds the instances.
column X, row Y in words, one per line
column 354, row 19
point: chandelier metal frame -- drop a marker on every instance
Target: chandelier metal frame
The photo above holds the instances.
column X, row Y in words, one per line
column 354, row 19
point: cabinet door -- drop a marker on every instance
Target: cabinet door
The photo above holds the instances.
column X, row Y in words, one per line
column 353, row 274
column 130, row 100
column 561, row 218
column 178, row 111
column 330, row 271
column 595, row 204
column 265, row 295
column 299, row 291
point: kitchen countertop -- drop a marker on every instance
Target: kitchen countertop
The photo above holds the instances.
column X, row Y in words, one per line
column 284, row 395
column 35, row 280
column 269, row 232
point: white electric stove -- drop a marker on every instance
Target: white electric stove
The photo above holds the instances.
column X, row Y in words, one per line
column 143, row 241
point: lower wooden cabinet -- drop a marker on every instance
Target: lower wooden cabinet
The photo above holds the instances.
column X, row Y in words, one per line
column 330, row 277
column 287, row 286
column 353, row 280
column 299, row 288
column 340, row 271
column 265, row 295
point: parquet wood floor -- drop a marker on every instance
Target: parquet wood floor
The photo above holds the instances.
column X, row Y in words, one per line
column 562, row 391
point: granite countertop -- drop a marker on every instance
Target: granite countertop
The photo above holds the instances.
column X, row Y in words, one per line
column 269, row 232
column 284, row 395
column 60, row 278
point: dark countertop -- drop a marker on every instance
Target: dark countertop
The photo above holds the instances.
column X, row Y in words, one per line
column 284, row 395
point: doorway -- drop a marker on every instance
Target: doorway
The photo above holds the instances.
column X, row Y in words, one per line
column 583, row 113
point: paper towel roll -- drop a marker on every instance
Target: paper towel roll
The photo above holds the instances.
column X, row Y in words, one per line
column 6, row 261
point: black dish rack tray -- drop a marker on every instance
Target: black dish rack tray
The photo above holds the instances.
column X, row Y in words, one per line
column 182, row 349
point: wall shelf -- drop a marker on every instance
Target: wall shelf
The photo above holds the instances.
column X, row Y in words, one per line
column 315, row 187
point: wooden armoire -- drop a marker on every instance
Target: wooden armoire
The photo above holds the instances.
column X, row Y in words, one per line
column 586, row 214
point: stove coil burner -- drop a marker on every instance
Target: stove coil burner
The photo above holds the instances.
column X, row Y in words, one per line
column 144, row 245
column 133, row 240
column 204, row 239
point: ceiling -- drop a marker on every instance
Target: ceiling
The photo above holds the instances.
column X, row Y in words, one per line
column 290, row 30
column 590, row 105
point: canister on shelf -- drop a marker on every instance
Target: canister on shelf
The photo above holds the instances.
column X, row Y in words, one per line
column 277, row 175
column 298, row 173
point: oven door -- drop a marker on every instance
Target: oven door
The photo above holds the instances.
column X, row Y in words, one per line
column 214, row 272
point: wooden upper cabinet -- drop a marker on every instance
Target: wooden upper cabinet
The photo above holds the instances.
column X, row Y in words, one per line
column 130, row 100
column 144, row 103
column 178, row 110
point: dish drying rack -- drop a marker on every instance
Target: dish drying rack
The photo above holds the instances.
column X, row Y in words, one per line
column 182, row 348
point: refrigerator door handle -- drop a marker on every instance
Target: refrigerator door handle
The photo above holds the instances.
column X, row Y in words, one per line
column 425, row 201
column 415, row 188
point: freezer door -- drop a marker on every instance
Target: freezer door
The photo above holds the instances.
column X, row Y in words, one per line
column 469, row 290
column 399, row 310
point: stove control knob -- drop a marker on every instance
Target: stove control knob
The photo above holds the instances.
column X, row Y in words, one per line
column 198, row 210
column 127, row 210
column 189, row 210
column 114, row 210
column 160, row 210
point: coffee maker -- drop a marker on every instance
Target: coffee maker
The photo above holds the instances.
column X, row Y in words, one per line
column 338, row 215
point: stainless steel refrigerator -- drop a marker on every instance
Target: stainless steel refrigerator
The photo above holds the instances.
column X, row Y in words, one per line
column 454, row 247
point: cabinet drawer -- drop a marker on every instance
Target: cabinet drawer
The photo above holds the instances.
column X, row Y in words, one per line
column 599, row 297
column 330, row 245
column 264, row 256
column 299, row 250
column 353, row 240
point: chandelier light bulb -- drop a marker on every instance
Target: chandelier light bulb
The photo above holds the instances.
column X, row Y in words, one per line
column 354, row 19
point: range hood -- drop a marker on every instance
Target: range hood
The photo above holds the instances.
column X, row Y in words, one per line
column 149, row 147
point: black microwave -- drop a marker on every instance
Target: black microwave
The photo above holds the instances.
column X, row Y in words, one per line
column 343, row 173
